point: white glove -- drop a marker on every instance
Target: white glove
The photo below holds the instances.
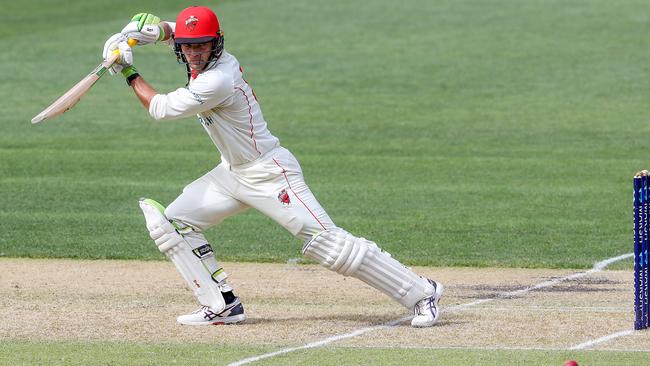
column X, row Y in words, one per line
column 126, row 54
column 110, row 46
column 124, row 60
column 145, row 28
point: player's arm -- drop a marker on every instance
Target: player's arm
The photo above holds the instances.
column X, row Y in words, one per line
column 118, row 44
column 143, row 90
column 206, row 92
column 145, row 28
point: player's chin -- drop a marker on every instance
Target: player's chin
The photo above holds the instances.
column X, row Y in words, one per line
column 198, row 67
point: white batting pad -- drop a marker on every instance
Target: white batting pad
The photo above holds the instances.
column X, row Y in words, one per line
column 196, row 264
column 342, row 252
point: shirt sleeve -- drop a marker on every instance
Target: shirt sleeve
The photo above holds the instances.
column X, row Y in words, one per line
column 207, row 91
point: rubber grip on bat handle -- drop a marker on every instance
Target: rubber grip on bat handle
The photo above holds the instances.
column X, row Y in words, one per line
column 132, row 42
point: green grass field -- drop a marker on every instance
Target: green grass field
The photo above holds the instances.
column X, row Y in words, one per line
column 452, row 133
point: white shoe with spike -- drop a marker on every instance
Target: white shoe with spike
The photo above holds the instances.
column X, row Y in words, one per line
column 427, row 310
column 233, row 313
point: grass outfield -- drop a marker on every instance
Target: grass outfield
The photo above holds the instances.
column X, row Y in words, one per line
column 452, row 133
column 184, row 354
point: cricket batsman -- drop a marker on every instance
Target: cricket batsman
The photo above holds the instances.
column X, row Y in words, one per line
column 255, row 171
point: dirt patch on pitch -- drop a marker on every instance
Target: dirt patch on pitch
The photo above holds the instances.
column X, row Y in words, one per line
column 289, row 305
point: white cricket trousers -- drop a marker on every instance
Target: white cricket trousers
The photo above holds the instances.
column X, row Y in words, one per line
column 273, row 184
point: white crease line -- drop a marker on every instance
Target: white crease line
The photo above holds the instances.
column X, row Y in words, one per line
column 322, row 342
column 604, row 339
column 597, row 268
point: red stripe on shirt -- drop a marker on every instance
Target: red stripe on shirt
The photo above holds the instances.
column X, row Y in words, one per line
column 250, row 120
column 249, row 85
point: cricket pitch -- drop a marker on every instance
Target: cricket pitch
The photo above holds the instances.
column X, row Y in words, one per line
column 289, row 305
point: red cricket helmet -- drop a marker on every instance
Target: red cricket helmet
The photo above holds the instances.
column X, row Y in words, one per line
column 196, row 24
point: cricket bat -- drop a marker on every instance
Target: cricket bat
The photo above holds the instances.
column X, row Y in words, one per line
column 72, row 96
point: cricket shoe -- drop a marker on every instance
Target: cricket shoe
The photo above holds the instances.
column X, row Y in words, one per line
column 233, row 313
column 427, row 310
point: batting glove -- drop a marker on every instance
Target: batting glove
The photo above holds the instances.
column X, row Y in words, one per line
column 110, row 46
column 145, row 28
column 125, row 59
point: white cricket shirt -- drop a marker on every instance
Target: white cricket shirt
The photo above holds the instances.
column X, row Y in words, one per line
column 226, row 107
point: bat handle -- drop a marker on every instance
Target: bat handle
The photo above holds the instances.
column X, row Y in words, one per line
column 132, row 42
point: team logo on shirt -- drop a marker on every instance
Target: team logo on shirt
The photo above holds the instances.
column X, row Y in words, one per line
column 195, row 96
column 191, row 22
column 206, row 121
column 283, row 197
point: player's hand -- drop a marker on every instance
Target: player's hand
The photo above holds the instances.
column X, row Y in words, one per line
column 144, row 27
column 110, row 46
column 125, row 59
column 125, row 54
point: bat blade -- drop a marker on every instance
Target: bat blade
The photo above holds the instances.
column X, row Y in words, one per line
column 67, row 100
column 72, row 96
